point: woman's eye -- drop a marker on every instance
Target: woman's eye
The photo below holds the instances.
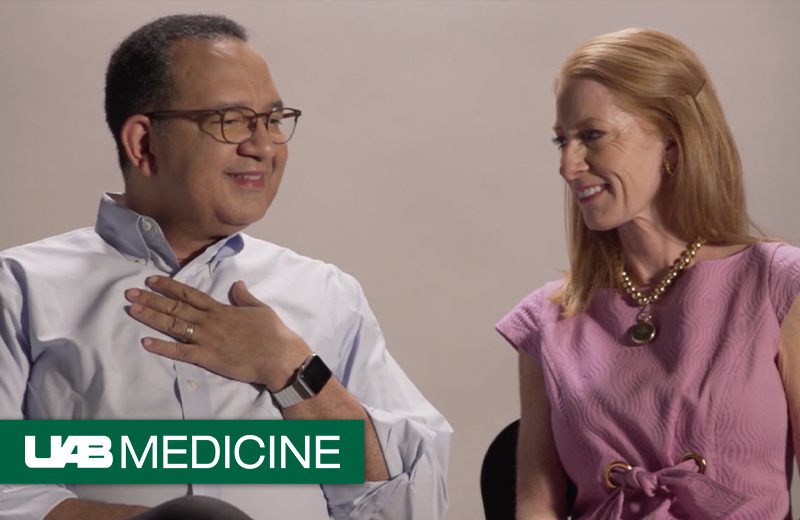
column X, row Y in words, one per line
column 591, row 135
column 560, row 142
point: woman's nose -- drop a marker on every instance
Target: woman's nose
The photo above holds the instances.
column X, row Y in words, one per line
column 573, row 162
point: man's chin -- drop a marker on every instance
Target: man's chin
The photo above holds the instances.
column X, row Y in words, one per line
column 236, row 223
column 230, row 228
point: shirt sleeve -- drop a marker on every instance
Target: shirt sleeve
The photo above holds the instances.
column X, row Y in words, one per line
column 520, row 327
column 784, row 279
column 414, row 436
column 19, row 502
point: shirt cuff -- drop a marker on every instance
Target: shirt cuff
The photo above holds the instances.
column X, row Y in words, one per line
column 30, row 502
column 357, row 501
column 416, row 457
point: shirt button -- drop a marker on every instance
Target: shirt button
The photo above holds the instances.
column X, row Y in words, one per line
column 141, row 261
column 146, row 225
column 181, row 279
column 192, row 383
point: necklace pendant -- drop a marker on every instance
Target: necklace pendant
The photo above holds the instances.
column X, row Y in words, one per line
column 643, row 332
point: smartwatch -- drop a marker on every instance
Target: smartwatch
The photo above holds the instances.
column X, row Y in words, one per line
column 311, row 378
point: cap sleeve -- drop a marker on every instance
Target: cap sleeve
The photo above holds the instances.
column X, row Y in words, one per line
column 784, row 279
column 521, row 328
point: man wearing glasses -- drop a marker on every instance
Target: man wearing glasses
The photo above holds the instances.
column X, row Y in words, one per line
column 166, row 310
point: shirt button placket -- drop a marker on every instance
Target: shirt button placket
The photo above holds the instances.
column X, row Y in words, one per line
column 195, row 397
column 192, row 382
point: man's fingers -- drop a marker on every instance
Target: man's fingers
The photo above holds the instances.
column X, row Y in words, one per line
column 181, row 292
column 242, row 298
column 176, row 327
column 177, row 351
column 163, row 305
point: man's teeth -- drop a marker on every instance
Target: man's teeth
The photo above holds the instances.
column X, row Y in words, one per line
column 247, row 177
column 588, row 192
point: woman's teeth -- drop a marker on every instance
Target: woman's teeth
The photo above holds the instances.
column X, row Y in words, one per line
column 588, row 192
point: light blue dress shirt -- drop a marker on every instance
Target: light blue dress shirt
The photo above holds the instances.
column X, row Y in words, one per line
column 69, row 350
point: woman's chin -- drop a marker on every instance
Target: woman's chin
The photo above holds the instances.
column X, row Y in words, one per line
column 599, row 225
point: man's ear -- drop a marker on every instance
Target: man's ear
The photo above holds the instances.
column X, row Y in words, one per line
column 135, row 136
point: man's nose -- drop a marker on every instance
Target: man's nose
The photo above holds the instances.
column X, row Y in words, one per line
column 573, row 161
column 261, row 144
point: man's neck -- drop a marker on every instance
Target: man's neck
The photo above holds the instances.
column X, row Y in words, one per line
column 184, row 247
column 184, row 240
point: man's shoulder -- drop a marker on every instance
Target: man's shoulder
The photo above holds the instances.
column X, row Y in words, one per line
column 48, row 259
column 291, row 264
column 83, row 240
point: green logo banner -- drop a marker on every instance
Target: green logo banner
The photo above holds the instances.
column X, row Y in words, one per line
column 182, row 452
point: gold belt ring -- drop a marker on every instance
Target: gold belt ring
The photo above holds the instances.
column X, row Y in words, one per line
column 701, row 462
column 610, row 468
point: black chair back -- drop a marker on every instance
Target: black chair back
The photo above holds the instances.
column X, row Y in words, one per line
column 498, row 476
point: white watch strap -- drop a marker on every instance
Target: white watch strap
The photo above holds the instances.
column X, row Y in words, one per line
column 288, row 396
column 297, row 392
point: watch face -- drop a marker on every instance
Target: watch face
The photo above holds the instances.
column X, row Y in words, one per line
column 316, row 374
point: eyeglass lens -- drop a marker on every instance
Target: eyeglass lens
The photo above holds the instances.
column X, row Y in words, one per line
column 236, row 125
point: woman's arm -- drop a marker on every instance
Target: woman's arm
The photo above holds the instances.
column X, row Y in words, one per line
column 789, row 367
column 541, row 480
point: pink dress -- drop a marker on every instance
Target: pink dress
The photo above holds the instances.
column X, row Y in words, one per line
column 707, row 384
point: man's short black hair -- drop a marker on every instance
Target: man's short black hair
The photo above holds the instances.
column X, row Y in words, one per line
column 139, row 77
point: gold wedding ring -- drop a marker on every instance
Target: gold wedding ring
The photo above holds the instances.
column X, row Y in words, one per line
column 187, row 336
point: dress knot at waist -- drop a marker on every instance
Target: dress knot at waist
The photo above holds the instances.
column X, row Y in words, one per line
column 674, row 492
column 638, row 478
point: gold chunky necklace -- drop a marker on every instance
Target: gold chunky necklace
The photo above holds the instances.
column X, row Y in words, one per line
column 644, row 331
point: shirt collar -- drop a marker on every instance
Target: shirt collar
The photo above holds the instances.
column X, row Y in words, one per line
column 139, row 238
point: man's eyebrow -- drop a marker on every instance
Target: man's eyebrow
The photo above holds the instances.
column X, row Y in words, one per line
column 224, row 105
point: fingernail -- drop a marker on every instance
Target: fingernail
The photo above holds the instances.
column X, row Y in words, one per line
column 152, row 280
column 147, row 342
column 136, row 308
column 134, row 293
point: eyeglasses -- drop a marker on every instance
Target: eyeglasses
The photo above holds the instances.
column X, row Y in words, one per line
column 236, row 125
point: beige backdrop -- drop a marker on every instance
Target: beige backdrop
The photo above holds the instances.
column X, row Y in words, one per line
column 422, row 163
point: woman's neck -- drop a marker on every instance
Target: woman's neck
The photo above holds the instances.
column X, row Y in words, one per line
column 648, row 251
